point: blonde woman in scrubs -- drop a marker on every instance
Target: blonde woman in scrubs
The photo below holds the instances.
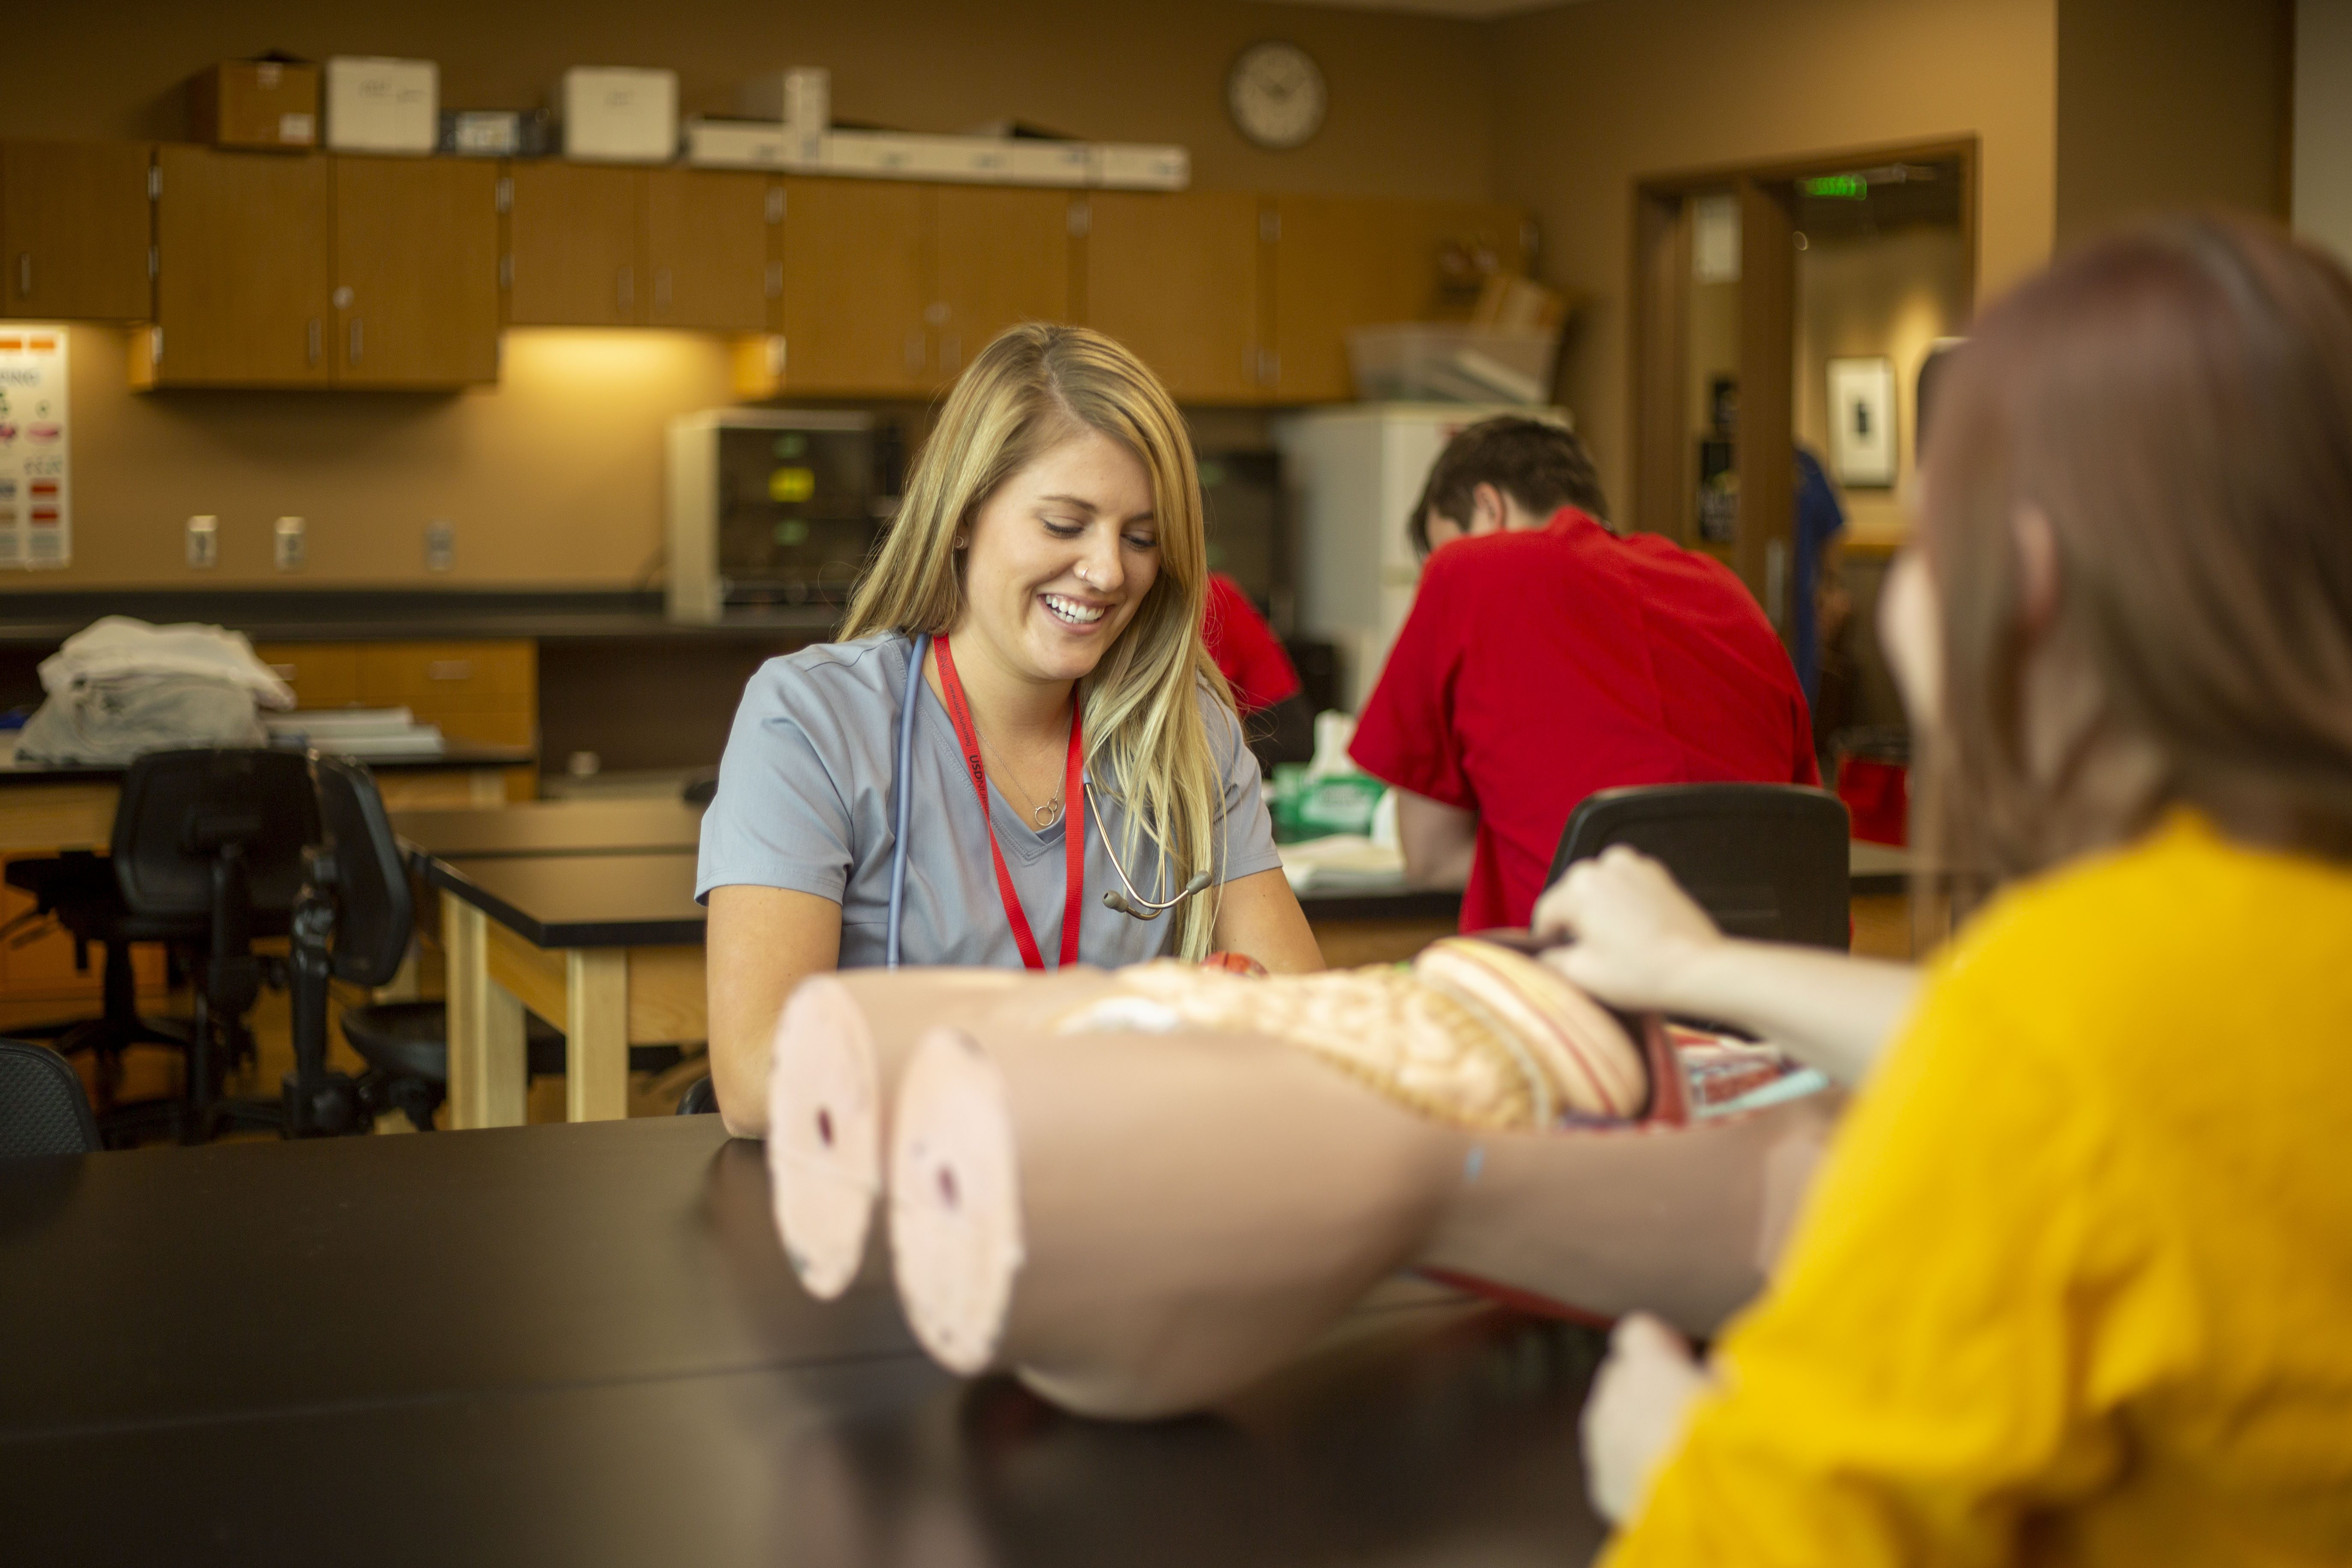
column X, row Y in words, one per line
column 1051, row 546
column 2073, row 1286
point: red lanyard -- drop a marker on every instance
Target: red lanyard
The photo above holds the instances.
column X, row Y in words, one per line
column 1074, row 820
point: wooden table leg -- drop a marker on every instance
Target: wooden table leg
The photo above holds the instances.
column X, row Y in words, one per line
column 596, row 1003
column 487, row 1066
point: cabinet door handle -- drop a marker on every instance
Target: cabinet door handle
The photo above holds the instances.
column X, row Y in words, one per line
column 915, row 352
column 625, row 290
column 25, row 273
column 449, row 669
column 359, row 339
column 316, row 340
column 661, row 288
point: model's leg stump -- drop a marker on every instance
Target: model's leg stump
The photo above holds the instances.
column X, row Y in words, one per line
column 955, row 1201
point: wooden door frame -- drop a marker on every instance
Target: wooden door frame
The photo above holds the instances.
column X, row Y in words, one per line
column 1663, row 489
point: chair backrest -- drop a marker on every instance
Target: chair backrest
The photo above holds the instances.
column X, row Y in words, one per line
column 42, row 1108
column 368, row 881
column 180, row 808
column 1769, row 861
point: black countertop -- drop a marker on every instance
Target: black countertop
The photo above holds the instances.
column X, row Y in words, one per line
column 582, row 1345
column 44, row 619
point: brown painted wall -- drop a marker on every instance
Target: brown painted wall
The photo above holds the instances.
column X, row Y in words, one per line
column 554, row 478
column 2171, row 104
column 1595, row 97
column 1407, row 93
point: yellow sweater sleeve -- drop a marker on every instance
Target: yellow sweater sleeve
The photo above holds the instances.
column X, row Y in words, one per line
column 1931, row 1367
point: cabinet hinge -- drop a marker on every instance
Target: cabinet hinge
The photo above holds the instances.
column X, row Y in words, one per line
column 1082, row 218
column 775, row 203
column 155, row 182
column 1269, row 225
column 506, row 272
column 502, row 196
column 155, row 345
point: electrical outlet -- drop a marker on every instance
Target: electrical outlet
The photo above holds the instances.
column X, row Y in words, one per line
column 290, row 543
column 203, row 542
column 440, row 545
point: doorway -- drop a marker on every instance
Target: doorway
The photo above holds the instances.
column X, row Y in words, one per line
column 1748, row 283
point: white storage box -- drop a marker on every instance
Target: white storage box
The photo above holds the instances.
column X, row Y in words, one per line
column 912, row 157
column 614, row 115
column 1445, row 362
column 743, row 144
column 377, row 105
column 1132, row 166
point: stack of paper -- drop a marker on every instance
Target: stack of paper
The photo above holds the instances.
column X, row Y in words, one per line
column 359, row 731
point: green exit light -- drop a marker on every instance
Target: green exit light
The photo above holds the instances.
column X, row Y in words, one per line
column 1837, row 187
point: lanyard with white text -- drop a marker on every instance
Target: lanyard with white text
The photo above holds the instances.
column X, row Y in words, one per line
column 1074, row 821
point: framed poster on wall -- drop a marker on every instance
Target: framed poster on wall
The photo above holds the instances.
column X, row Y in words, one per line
column 1862, row 421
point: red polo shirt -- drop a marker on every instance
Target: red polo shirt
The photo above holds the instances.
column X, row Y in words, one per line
column 1540, row 666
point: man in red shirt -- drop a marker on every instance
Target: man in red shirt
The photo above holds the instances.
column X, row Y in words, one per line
column 1547, row 657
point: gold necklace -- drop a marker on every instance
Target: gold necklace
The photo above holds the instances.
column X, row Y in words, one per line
column 1044, row 816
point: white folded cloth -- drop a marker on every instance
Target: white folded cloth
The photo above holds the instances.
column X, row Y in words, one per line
column 115, row 648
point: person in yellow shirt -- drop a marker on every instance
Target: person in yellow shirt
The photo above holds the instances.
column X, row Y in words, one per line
column 2075, row 1283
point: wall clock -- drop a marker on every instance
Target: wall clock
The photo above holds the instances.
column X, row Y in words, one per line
column 1275, row 95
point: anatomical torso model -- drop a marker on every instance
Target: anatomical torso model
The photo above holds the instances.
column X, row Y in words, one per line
column 1142, row 1189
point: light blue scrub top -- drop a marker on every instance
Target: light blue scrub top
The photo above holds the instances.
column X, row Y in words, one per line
column 805, row 801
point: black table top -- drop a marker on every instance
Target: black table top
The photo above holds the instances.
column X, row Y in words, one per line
column 613, row 900
column 581, row 1343
column 455, row 754
column 553, row 827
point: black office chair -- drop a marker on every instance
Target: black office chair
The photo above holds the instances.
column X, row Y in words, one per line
column 1767, row 861
column 76, row 890
column 352, row 922
column 210, row 843
column 42, row 1110
column 701, row 1098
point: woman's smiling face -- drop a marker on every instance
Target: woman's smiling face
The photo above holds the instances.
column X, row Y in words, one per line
column 1059, row 558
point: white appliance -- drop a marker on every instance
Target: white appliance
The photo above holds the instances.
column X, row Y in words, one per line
column 1354, row 473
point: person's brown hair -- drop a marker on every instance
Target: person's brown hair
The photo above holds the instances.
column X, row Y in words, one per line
column 1541, row 465
column 2176, row 400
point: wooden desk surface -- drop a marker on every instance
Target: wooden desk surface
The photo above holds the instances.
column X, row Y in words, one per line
column 554, row 827
column 581, row 1344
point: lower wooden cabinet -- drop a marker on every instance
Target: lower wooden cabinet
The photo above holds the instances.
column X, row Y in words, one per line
column 483, row 690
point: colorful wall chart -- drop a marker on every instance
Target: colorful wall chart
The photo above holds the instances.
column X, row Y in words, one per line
column 35, row 495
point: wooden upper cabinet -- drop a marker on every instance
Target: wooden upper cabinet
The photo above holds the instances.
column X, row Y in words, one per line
column 243, row 245
column 857, row 274
column 1341, row 262
column 706, row 249
column 1176, row 278
column 575, row 245
column 75, row 226
column 416, row 272
column 1002, row 258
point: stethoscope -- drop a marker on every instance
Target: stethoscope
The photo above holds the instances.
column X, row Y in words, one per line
column 1130, row 903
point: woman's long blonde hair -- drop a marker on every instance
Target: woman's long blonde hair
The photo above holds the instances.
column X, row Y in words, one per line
column 1032, row 388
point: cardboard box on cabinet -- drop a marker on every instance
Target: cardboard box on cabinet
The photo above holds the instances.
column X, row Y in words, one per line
column 268, row 104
